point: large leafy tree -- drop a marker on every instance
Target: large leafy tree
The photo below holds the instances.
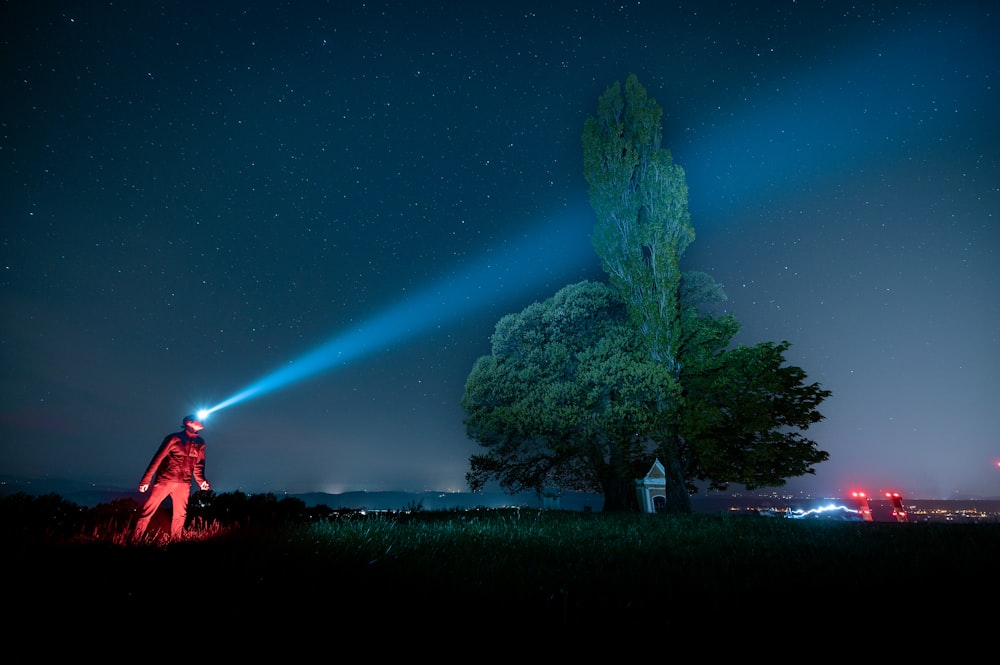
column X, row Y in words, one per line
column 745, row 411
column 569, row 398
column 566, row 398
column 581, row 389
column 744, row 408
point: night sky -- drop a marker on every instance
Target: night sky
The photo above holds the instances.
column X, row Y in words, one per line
column 315, row 214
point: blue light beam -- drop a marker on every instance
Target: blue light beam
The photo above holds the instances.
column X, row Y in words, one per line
column 539, row 259
column 879, row 104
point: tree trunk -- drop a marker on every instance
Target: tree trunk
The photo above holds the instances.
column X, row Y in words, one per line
column 619, row 495
column 678, row 499
column 619, row 483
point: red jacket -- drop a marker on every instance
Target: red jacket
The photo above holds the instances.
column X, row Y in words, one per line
column 179, row 459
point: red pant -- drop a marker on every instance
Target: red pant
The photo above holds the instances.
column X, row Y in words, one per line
column 179, row 493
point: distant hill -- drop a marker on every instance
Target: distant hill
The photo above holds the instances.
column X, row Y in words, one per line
column 80, row 493
column 445, row 500
column 90, row 495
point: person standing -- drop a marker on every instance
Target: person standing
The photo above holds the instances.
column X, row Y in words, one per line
column 179, row 460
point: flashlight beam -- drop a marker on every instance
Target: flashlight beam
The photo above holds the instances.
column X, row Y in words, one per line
column 539, row 259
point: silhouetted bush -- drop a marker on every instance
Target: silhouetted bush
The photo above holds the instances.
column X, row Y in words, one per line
column 47, row 517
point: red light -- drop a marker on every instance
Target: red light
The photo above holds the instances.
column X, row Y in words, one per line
column 863, row 509
column 898, row 511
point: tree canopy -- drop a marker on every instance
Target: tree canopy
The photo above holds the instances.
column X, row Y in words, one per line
column 582, row 390
column 640, row 198
column 570, row 399
column 566, row 398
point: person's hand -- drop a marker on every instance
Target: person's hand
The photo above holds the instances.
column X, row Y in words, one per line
column 143, row 488
column 204, row 485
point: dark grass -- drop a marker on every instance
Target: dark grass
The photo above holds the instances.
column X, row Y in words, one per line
column 531, row 568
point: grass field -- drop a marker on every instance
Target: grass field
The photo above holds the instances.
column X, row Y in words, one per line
column 477, row 567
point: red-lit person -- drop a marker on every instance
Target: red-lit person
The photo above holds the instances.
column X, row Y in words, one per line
column 179, row 460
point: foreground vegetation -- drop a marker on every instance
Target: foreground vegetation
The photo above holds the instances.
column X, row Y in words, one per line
column 543, row 568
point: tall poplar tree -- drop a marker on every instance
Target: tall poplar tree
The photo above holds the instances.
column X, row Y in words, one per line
column 643, row 228
column 640, row 198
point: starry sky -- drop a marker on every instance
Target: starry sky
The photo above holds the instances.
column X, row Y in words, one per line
column 311, row 216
